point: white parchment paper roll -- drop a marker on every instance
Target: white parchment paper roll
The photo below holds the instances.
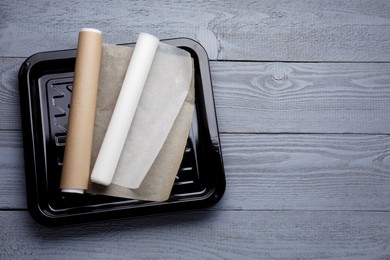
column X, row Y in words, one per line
column 125, row 109
column 165, row 91
column 158, row 134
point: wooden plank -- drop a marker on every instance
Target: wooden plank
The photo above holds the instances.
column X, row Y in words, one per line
column 307, row 172
column 12, row 180
column 269, row 172
column 204, row 235
column 354, row 30
column 9, row 93
column 302, row 97
column 273, row 97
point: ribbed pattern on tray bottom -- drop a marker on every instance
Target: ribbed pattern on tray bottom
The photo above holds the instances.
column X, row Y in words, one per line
column 58, row 96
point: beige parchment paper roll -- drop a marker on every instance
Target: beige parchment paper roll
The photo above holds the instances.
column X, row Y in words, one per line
column 172, row 77
column 78, row 146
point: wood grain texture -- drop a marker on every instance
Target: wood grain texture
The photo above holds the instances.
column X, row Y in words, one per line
column 204, row 235
column 307, row 172
column 302, row 97
column 12, row 179
column 269, row 172
column 304, row 122
column 284, row 30
column 257, row 97
column 9, row 93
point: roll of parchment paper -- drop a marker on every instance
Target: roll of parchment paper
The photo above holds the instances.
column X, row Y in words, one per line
column 77, row 156
column 124, row 110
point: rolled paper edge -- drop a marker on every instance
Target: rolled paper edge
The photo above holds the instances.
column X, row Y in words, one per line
column 90, row 30
column 100, row 181
column 79, row 191
column 152, row 37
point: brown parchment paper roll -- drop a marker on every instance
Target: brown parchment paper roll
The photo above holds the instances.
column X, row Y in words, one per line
column 78, row 147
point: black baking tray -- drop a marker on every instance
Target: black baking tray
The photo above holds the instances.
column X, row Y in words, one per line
column 45, row 82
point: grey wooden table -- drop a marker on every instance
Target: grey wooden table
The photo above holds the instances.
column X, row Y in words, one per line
column 302, row 92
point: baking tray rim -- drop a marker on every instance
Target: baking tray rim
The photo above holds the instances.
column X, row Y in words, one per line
column 40, row 213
